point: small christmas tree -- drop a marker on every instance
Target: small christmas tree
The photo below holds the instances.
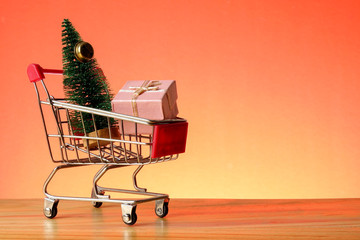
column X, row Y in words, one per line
column 84, row 82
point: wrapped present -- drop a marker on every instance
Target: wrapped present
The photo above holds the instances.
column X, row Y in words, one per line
column 154, row 100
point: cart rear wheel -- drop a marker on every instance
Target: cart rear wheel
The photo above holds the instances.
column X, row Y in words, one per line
column 51, row 211
column 96, row 204
column 162, row 211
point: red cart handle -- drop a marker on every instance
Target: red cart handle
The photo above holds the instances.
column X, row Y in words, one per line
column 36, row 72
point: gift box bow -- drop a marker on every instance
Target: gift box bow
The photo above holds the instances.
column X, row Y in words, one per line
column 147, row 85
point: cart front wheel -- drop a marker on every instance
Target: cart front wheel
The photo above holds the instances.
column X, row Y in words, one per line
column 130, row 219
column 129, row 214
column 162, row 209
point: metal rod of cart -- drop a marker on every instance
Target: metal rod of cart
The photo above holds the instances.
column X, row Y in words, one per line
column 123, row 144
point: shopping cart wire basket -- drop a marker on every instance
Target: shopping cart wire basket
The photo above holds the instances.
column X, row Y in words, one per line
column 121, row 144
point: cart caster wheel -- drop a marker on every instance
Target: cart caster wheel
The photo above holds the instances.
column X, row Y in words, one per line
column 96, row 204
column 50, row 212
column 130, row 219
column 129, row 214
column 50, row 208
column 161, row 208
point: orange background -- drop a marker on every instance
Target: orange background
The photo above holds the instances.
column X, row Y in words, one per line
column 270, row 90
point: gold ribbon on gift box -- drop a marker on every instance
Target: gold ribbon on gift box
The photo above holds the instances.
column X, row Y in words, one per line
column 146, row 86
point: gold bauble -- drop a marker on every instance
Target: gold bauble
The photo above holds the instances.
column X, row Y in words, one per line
column 83, row 51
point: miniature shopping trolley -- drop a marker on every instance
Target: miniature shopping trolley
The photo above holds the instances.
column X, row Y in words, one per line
column 118, row 148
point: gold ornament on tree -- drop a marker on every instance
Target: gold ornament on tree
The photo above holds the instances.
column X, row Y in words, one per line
column 83, row 51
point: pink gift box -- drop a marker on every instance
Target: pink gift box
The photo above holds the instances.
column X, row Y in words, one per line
column 154, row 100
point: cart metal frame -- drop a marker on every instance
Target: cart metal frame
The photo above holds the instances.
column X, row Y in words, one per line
column 130, row 148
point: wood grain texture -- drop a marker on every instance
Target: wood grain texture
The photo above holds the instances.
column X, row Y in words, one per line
column 188, row 218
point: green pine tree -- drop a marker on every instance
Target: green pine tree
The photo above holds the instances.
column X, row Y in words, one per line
column 84, row 83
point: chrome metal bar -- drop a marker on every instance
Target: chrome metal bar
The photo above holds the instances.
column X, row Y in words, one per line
column 84, row 151
column 111, row 143
column 43, row 120
column 103, row 170
column 100, row 174
column 50, row 177
column 134, row 179
column 130, row 202
column 160, row 195
column 52, row 108
column 97, row 138
column 112, row 114
column 63, row 144
column 72, row 133
column 84, row 129
column 137, row 140
column 123, row 136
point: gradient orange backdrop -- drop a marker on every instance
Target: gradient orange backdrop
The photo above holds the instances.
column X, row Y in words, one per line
column 270, row 89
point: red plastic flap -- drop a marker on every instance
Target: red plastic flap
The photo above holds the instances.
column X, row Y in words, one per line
column 35, row 72
column 169, row 139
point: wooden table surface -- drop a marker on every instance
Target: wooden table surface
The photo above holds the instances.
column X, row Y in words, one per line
column 187, row 219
